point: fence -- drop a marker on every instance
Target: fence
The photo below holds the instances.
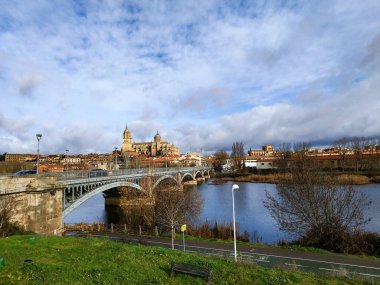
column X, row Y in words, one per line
column 112, row 228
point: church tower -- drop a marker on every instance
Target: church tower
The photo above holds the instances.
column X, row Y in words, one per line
column 127, row 141
column 157, row 137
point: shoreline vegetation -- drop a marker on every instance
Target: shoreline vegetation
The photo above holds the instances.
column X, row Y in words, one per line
column 347, row 179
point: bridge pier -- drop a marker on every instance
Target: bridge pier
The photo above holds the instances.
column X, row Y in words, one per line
column 38, row 207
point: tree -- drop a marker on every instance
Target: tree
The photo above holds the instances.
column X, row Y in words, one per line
column 301, row 159
column 220, row 158
column 175, row 207
column 357, row 144
column 342, row 146
column 283, row 156
column 317, row 210
column 237, row 155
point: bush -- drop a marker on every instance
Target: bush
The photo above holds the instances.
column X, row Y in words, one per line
column 222, row 231
column 363, row 243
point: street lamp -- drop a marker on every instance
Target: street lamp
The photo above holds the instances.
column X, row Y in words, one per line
column 234, row 187
column 38, row 136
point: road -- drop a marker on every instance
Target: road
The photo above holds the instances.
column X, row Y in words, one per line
column 268, row 257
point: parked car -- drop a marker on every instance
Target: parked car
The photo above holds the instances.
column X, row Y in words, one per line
column 26, row 172
column 97, row 172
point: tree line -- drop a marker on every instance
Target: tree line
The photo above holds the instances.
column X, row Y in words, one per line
column 344, row 154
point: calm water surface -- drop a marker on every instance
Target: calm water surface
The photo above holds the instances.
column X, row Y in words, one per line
column 251, row 215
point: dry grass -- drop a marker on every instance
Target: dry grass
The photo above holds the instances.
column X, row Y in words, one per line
column 258, row 178
column 346, row 179
column 353, row 179
column 375, row 179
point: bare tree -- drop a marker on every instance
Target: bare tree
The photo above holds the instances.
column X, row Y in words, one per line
column 237, row 155
column 342, row 146
column 220, row 158
column 175, row 207
column 283, row 156
column 316, row 209
column 357, row 144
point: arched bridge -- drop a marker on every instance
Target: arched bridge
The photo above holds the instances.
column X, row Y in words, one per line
column 40, row 202
column 85, row 185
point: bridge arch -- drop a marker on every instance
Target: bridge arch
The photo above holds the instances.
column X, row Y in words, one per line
column 98, row 190
column 163, row 178
column 187, row 174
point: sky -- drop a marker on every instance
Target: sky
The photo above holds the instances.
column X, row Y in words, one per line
column 204, row 74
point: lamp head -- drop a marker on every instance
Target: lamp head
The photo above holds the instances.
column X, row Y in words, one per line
column 235, row 186
column 39, row 136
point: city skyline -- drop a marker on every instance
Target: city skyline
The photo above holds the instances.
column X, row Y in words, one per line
column 203, row 74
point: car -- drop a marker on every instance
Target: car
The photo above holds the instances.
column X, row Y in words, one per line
column 26, row 172
column 97, row 172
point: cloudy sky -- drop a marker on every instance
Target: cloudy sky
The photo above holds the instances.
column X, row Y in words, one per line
column 202, row 73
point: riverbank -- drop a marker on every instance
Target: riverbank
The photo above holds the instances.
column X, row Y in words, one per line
column 348, row 179
column 65, row 260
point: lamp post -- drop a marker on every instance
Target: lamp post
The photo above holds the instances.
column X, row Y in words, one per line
column 38, row 136
column 235, row 186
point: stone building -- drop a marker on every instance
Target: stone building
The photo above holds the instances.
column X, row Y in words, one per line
column 155, row 148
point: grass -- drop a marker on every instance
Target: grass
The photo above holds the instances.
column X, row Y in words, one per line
column 284, row 247
column 56, row 260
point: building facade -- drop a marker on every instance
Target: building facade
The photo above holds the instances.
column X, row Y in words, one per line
column 155, row 148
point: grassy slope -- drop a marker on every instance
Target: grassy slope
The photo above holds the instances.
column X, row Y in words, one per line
column 97, row 261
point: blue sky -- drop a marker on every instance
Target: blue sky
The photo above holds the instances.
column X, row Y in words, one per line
column 202, row 73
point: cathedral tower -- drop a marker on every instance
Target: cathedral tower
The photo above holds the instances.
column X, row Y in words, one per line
column 127, row 141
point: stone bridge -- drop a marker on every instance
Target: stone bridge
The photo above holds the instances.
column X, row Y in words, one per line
column 40, row 202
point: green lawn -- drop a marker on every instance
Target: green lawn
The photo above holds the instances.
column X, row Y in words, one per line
column 67, row 260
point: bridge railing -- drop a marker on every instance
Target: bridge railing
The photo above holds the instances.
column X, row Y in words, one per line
column 111, row 173
column 66, row 175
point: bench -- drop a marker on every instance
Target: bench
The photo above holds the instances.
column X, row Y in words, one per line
column 192, row 269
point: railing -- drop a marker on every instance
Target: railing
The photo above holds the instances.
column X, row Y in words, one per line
column 111, row 228
column 85, row 173
column 134, row 172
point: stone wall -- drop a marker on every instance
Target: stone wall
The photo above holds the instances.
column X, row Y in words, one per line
column 36, row 203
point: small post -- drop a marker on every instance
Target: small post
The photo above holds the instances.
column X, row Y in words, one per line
column 82, row 227
column 183, row 229
column 98, row 227
column 156, row 231
column 139, row 230
column 111, row 227
column 125, row 228
column 183, row 238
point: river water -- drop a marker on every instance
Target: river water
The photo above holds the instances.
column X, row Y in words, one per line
column 251, row 215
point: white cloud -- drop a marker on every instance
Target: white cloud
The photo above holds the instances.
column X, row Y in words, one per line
column 203, row 74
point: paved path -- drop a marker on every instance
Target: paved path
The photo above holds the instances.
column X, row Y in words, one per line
column 268, row 257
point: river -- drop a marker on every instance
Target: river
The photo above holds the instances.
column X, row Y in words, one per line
column 251, row 215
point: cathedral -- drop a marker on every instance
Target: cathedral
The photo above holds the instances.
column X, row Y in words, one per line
column 155, row 148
